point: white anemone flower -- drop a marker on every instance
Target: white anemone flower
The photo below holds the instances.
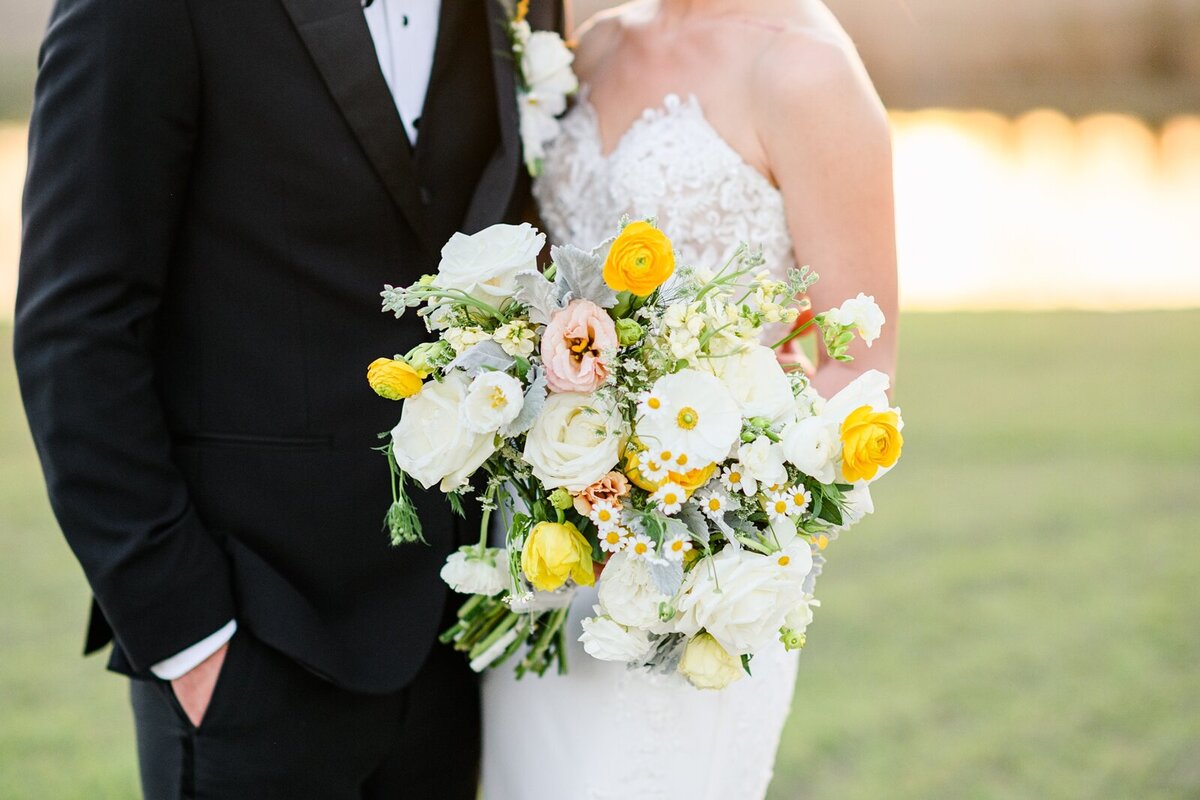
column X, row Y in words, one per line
column 698, row 417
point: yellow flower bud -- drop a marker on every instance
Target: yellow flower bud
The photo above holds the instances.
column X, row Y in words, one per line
column 393, row 379
column 553, row 553
column 640, row 260
column 870, row 440
column 708, row 665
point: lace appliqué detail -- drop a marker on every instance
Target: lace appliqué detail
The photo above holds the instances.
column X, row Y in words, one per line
column 673, row 165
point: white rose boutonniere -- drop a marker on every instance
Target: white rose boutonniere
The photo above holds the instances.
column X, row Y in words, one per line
column 544, row 82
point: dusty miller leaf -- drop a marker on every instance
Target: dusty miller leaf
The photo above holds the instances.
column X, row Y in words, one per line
column 581, row 276
column 484, row 355
column 543, row 297
column 535, row 398
column 667, row 575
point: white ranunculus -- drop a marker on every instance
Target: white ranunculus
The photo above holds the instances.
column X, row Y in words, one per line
column 861, row 313
column 812, row 446
column 708, row 665
column 546, row 64
column 763, row 459
column 493, row 400
column 627, row 592
column 608, row 640
column 484, row 264
column 757, row 382
column 574, row 442
column 468, row 572
column 868, row 389
column 429, row 443
column 739, row 597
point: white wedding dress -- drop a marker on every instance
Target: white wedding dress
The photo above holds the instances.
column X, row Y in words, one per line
column 605, row 732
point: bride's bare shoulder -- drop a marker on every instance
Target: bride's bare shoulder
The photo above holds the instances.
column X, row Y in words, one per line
column 809, row 71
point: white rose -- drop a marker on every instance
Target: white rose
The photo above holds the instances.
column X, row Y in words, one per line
column 546, row 64
column 430, row 445
column 484, row 264
column 812, row 445
column 861, row 313
column 538, row 125
column 757, row 382
column 763, row 459
column 740, row 597
column 708, row 665
column 628, row 593
column 493, row 400
column 574, row 442
column 468, row 572
column 607, row 640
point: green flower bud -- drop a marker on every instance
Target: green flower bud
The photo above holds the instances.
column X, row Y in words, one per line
column 427, row 357
column 792, row 640
column 629, row 332
column 561, row 499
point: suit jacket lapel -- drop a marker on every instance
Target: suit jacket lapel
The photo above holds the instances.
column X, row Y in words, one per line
column 339, row 41
column 495, row 187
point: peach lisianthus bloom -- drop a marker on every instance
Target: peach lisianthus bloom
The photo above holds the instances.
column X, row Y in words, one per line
column 573, row 344
column 609, row 489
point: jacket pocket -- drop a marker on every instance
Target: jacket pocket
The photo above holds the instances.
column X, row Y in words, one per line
column 211, row 439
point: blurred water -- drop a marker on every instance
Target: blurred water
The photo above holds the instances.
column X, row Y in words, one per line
column 1035, row 212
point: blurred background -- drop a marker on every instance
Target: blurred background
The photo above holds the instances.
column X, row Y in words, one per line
column 1022, row 617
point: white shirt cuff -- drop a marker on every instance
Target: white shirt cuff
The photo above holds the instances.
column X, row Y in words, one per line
column 187, row 660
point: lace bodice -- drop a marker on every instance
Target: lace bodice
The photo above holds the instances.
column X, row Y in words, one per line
column 671, row 164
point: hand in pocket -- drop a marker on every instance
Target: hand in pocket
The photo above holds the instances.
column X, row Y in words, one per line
column 194, row 690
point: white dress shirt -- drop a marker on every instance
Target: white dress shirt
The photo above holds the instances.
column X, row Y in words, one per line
column 405, row 35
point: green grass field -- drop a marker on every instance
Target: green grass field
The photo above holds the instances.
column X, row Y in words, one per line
column 1021, row 618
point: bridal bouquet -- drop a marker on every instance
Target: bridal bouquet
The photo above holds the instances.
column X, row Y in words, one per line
column 619, row 416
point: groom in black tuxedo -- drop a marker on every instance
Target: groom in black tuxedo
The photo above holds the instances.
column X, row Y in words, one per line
column 217, row 192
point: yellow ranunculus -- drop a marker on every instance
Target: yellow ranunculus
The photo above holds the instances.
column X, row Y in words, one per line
column 690, row 480
column 556, row 551
column 640, row 260
column 393, row 379
column 870, row 440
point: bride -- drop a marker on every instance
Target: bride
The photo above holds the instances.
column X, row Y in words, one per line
column 727, row 120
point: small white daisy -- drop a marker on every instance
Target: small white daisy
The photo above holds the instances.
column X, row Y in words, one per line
column 640, row 546
column 605, row 515
column 613, row 540
column 676, row 547
column 670, row 497
column 714, row 504
column 735, row 478
column 801, row 499
column 779, row 506
column 653, row 471
column 650, row 404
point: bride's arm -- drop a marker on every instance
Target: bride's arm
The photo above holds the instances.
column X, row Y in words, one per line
column 828, row 145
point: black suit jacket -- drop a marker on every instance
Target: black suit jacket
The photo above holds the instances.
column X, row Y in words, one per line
column 217, row 191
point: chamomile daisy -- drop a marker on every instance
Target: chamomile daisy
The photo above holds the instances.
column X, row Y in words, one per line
column 605, row 515
column 801, row 499
column 714, row 503
column 640, row 546
column 613, row 540
column 675, row 548
column 735, row 478
column 670, row 497
column 779, row 505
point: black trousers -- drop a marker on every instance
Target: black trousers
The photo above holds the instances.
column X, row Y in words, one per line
column 275, row 730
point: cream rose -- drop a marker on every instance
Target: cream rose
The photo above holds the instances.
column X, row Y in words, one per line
column 484, row 264
column 740, row 597
column 429, row 443
column 493, row 400
column 757, row 382
column 628, row 593
column 574, row 442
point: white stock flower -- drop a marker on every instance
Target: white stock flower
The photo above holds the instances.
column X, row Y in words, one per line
column 757, row 382
column 763, row 460
column 699, row 417
column 516, row 338
column 493, row 400
column 467, row 572
column 739, row 597
column 627, row 592
column 429, row 443
column 811, row 445
column 608, row 640
column 484, row 264
column 860, row 313
column 574, row 442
